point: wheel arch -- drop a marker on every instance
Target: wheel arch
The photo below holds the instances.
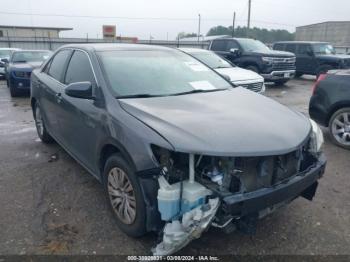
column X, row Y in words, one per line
column 32, row 103
column 251, row 63
column 109, row 148
column 335, row 108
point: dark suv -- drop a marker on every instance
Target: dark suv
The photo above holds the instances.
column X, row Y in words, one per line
column 274, row 66
column 314, row 58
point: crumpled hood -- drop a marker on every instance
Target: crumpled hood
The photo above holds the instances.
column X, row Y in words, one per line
column 235, row 122
column 237, row 74
column 29, row 66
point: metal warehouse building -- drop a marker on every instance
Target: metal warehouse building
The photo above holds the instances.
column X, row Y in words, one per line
column 337, row 33
column 31, row 31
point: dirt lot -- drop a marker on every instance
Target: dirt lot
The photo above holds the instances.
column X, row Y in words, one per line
column 50, row 205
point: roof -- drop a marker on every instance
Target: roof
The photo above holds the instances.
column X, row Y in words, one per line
column 203, row 38
column 194, row 50
column 118, row 47
column 301, row 42
column 236, row 38
column 36, row 50
column 327, row 22
column 37, row 27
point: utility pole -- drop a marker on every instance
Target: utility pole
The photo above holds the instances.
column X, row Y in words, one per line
column 249, row 8
column 233, row 24
column 199, row 26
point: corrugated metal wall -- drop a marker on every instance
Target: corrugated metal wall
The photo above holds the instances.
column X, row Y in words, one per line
column 337, row 33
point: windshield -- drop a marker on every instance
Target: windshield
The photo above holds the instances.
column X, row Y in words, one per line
column 212, row 60
column 251, row 45
column 323, row 49
column 30, row 56
column 157, row 73
column 5, row 53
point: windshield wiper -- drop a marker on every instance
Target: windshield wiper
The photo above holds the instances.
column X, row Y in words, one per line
column 138, row 96
column 198, row 91
column 20, row 61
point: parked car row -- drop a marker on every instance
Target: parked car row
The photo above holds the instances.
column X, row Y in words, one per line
column 17, row 65
column 284, row 61
column 274, row 66
column 176, row 145
column 314, row 58
column 236, row 75
column 5, row 54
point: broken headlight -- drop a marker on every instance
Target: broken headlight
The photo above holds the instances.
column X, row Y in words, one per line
column 316, row 138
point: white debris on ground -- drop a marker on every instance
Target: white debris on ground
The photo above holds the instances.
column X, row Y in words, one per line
column 178, row 234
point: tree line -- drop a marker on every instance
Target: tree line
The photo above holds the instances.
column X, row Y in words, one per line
column 262, row 34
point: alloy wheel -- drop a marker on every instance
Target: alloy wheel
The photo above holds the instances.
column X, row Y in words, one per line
column 121, row 195
column 341, row 128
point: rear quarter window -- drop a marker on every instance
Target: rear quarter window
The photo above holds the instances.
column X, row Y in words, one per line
column 291, row 48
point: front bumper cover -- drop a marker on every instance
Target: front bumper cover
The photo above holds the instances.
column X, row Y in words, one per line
column 303, row 184
column 279, row 75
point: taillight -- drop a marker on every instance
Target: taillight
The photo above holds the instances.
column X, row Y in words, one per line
column 319, row 79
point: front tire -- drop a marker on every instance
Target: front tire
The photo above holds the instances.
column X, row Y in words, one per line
column 339, row 128
column 298, row 74
column 40, row 125
column 124, row 196
column 253, row 68
column 14, row 92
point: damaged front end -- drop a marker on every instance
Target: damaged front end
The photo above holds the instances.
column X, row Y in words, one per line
column 196, row 191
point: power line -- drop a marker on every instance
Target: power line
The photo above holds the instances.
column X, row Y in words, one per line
column 142, row 18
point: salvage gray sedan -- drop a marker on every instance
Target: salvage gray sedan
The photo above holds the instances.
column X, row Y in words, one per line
column 177, row 148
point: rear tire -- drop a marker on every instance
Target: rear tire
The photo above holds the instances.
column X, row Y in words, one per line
column 14, row 92
column 125, row 196
column 40, row 125
column 339, row 128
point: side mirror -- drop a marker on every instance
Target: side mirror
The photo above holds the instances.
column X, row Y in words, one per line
column 226, row 77
column 4, row 60
column 79, row 90
column 235, row 51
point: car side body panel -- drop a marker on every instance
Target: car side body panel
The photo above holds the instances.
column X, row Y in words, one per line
column 331, row 94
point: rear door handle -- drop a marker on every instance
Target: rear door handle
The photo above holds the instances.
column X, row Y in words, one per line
column 58, row 97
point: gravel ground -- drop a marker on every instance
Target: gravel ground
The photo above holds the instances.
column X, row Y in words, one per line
column 50, row 205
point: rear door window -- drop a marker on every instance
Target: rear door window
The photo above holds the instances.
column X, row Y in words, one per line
column 58, row 64
column 79, row 69
column 291, row 48
column 231, row 45
column 304, row 49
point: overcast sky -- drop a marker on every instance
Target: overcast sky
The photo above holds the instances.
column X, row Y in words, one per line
column 160, row 18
